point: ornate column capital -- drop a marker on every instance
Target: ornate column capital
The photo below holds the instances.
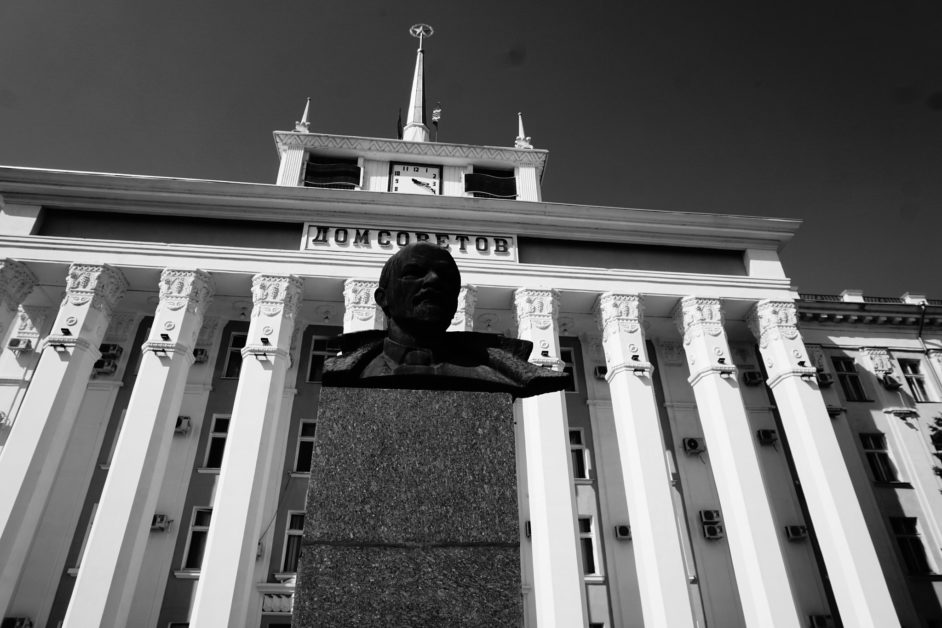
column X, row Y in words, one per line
column 16, row 282
column 701, row 321
column 192, row 289
column 184, row 297
column 775, row 326
column 360, row 309
column 696, row 315
column 91, row 293
column 620, row 319
column 277, row 299
column 535, row 311
column 464, row 317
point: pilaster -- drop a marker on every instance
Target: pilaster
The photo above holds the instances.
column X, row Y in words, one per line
column 226, row 585
column 659, row 559
column 361, row 312
column 115, row 548
column 755, row 544
column 34, row 450
column 558, row 585
column 291, row 167
column 464, row 317
column 16, row 282
column 860, row 588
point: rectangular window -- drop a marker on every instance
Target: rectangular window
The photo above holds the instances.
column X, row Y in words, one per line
column 196, row 544
column 302, row 460
column 234, row 354
column 567, row 355
column 849, row 379
column 906, row 531
column 293, row 535
column 587, row 543
column 915, row 379
column 580, row 456
column 321, row 348
column 878, row 457
column 217, row 441
column 491, row 183
column 338, row 173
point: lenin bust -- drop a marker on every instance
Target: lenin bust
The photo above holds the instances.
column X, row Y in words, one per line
column 418, row 291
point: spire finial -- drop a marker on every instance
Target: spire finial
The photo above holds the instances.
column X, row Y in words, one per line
column 304, row 126
column 522, row 140
column 415, row 129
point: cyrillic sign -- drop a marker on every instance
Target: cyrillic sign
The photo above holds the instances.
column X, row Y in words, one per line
column 387, row 240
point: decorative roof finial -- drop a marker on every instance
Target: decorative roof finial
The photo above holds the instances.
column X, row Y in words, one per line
column 304, row 126
column 415, row 129
column 522, row 140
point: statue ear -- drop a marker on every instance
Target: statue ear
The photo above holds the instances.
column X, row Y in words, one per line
column 379, row 295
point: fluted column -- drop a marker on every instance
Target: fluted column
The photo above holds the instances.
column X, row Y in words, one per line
column 662, row 575
column 464, row 317
column 557, row 566
column 115, row 547
column 860, row 589
column 16, row 282
column 31, row 457
column 226, row 583
column 754, row 541
column 361, row 312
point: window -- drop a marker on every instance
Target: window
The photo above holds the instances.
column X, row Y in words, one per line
column 217, row 441
column 906, row 531
column 568, row 356
column 580, row 456
column 321, row 348
column 878, row 457
column 491, row 183
column 914, row 379
column 339, row 173
column 849, row 379
column 302, row 460
column 587, row 543
column 196, row 544
column 293, row 535
column 234, row 354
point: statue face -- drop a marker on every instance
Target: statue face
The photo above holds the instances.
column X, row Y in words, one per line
column 422, row 290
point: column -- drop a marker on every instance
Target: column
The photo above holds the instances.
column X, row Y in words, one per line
column 33, row 452
column 754, row 541
column 464, row 317
column 361, row 312
column 291, row 167
column 226, row 583
column 860, row 589
column 659, row 559
column 115, row 548
column 16, row 282
column 557, row 564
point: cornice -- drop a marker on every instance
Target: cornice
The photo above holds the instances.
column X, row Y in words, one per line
column 273, row 203
column 869, row 313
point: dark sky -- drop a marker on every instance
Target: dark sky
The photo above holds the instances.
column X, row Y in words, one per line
column 826, row 111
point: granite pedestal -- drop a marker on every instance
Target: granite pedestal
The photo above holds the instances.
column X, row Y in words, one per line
column 411, row 512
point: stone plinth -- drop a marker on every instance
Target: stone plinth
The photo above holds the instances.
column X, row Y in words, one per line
column 411, row 512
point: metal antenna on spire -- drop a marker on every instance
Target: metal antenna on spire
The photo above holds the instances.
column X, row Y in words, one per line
column 421, row 31
column 522, row 140
column 304, row 126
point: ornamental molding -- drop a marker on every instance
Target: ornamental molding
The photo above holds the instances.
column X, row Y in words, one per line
column 285, row 140
column 207, row 334
column 464, row 315
column 619, row 313
column 65, row 343
column 190, row 289
column 30, row 320
column 671, row 353
column 168, row 349
column 773, row 320
column 266, row 352
column 120, row 328
column 817, row 357
column 535, row 308
column 360, row 303
column 98, row 286
column 276, row 294
column 696, row 316
column 16, row 282
column 880, row 360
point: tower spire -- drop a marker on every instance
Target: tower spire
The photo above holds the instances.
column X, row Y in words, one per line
column 304, row 126
column 415, row 129
column 522, row 140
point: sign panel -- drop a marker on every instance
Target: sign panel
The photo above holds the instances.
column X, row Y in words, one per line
column 387, row 240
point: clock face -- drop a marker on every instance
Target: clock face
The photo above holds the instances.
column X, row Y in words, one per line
column 415, row 179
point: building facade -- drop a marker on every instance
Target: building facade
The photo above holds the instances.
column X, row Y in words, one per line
column 730, row 453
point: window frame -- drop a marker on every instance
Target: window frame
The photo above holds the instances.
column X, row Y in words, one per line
column 304, row 439
column 325, row 352
column 879, row 460
column 289, row 534
column 582, row 450
column 230, row 349
column 853, row 392
column 912, row 549
column 193, row 529
column 916, row 374
column 592, row 538
column 569, row 366
column 214, row 435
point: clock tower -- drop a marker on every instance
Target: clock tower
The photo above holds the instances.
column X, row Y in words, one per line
column 412, row 164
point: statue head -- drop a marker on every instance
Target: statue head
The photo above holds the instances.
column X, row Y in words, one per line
column 418, row 290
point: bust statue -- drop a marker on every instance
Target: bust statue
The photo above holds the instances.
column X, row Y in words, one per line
column 418, row 291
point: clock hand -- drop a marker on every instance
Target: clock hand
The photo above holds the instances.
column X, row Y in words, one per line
column 428, row 186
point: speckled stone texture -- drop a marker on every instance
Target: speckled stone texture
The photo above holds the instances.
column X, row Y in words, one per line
column 411, row 512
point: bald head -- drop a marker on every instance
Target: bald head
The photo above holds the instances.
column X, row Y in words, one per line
column 418, row 289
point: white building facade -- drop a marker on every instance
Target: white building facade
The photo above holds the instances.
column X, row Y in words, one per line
column 728, row 455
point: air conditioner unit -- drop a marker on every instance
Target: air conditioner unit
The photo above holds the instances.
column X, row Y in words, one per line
column 182, row 426
column 160, row 523
column 16, row 622
column 890, row 382
column 766, row 437
column 752, row 378
column 710, row 516
column 694, row 446
column 111, row 351
column 713, row 531
column 796, row 533
column 825, row 379
column 821, row 621
column 20, row 345
column 601, row 372
column 623, row 532
column 200, row 356
column 105, row 368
